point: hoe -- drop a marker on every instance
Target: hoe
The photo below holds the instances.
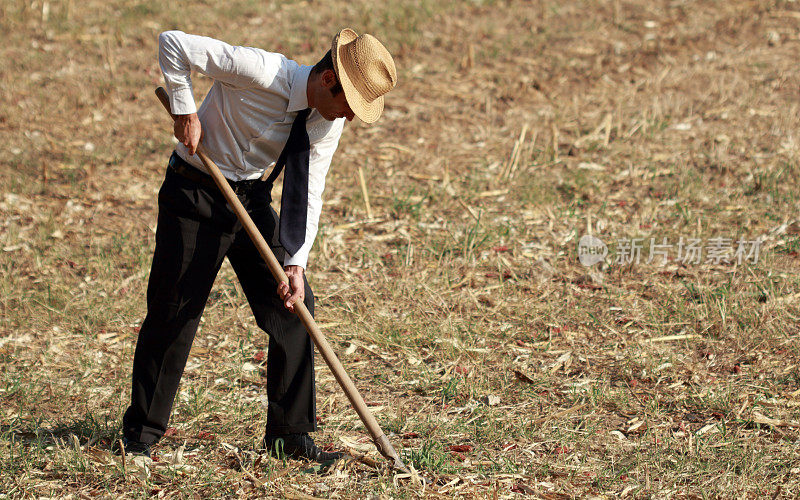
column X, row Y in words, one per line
column 381, row 441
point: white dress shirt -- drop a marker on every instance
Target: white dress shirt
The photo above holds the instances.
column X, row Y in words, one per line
column 248, row 113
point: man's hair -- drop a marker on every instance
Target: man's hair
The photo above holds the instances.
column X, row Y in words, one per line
column 327, row 63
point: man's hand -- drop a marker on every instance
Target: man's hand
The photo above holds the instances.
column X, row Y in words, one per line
column 188, row 130
column 293, row 291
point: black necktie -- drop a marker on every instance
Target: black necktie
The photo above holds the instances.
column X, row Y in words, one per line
column 294, row 199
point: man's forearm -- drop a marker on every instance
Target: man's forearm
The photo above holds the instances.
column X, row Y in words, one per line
column 177, row 73
column 321, row 155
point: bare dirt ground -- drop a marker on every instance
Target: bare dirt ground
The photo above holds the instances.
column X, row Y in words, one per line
column 498, row 364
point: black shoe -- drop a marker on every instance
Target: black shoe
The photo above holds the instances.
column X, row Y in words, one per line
column 298, row 446
column 135, row 448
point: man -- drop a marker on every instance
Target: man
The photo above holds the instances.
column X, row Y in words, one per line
column 264, row 113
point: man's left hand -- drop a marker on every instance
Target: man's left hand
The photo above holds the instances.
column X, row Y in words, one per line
column 293, row 291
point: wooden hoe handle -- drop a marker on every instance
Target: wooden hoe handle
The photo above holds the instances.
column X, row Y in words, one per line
column 324, row 348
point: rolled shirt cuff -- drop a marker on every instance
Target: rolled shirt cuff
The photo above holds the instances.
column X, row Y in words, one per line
column 181, row 102
column 298, row 259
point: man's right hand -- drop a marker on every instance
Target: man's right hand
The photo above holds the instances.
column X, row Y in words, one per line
column 188, row 131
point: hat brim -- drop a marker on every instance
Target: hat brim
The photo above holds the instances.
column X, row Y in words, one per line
column 366, row 111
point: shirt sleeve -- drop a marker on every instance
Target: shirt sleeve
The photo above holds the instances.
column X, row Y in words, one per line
column 241, row 67
column 319, row 162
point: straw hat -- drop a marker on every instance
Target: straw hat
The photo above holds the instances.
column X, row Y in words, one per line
column 366, row 71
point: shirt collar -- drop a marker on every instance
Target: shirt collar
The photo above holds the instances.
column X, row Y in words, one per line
column 297, row 94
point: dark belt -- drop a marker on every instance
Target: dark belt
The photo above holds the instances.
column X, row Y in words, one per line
column 184, row 169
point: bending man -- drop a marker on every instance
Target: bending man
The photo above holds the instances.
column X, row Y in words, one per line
column 263, row 114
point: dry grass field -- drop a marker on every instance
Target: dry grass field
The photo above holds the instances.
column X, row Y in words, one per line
column 498, row 364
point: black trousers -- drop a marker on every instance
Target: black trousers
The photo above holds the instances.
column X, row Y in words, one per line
column 196, row 230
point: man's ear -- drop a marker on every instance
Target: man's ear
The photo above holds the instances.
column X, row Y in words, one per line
column 328, row 78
